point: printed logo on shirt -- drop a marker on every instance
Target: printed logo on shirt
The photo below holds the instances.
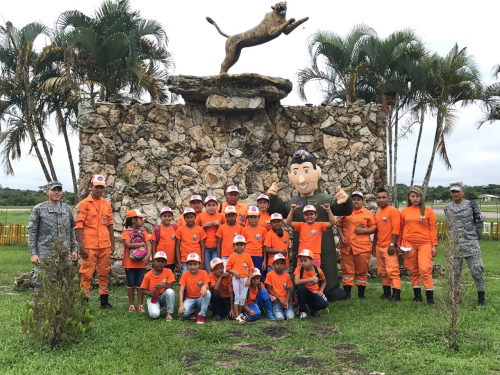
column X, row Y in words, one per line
column 105, row 218
column 267, row 223
column 172, row 237
column 245, row 266
column 242, row 219
column 200, row 283
column 163, row 280
column 223, row 288
column 285, row 241
column 284, row 285
column 235, row 234
column 196, row 237
column 300, row 204
column 314, row 232
column 78, row 210
column 384, row 220
column 312, row 283
column 258, row 236
column 422, row 218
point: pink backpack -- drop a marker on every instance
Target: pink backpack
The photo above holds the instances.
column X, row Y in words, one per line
column 139, row 253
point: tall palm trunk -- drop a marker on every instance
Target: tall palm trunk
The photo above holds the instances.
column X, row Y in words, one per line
column 421, row 121
column 46, row 150
column 437, row 136
column 34, row 144
column 395, row 186
column 64, row 130
column 389, row 146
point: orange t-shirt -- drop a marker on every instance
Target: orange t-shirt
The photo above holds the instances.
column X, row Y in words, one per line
column 94, row 216
column 181, row 222
column 241, row 263
column 225, row 287
column 127, row 262
column 167, row 242
column 310, row 236
column 194, row 283
column 279, row 283
column 388, row 222
column 313, row 287
column 264, row 221
column 360, row 243
column 227, row 234
column 241, row 210
column 190, row 240
column 255, row 240
column 277, row 243
column 211, row 231
column 418, row 228
column 252, row 294
column 150, row 279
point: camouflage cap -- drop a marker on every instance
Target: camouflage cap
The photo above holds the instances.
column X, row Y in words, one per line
column 53, row 184
column 457, row 186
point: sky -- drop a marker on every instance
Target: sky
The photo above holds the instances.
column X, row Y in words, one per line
column 198, row 49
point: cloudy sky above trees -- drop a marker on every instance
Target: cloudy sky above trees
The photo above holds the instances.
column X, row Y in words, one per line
column 198, row 50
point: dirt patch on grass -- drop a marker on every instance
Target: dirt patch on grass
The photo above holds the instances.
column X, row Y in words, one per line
column 253, row 346
column 275, row 332
column 352, row 358
column 227, row 364
column 235, row 333
column 188, row 333
column 304, row 362
column 191, row 359
column 236, row 353
column 345, row 347
column 324, row 330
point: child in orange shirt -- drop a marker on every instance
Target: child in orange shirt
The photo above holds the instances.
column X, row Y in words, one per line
column 157, row 284
column 196, row 203
column 240, row 266
column 279, row 286
column 190, row 239
column 221, row 289
column 196, row 283
column 210, row 220
column 163, row 237
column 257, row 298
column 136, row 255
column 255, row 236
column 264, row 216
column 226, row 233
column 311, row 283
column 311, row 231
column 277, row 241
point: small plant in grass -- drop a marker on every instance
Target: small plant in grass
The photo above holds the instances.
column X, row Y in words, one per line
column 59, row 312
column 126, row 177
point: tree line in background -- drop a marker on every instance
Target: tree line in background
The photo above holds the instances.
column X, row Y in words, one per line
column 29, row 198
column 115, row 52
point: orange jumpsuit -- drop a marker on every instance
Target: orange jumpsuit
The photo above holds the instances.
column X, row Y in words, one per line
column 388, row 221
column 94, row 217
column 355, row 256
column 421, row 232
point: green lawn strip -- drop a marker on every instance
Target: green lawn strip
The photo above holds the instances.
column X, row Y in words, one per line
column 15, row 217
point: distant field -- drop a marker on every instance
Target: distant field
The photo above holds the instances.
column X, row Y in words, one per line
column 16, row 207
column 15, row 217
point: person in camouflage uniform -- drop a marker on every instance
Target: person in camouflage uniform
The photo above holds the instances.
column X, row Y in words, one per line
column 48, row 220
column 465, row 223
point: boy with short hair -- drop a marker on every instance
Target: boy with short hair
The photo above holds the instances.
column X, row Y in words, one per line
column 196, row 283
column 310, row 282
column 257, row 298
column 279, row 286
column 226, row 233
column 277, row 241
column 255, row 236
column 163, row 236
column 157, row 284
column 221, row 289
column 190, row 239
column 210, row 220
column 196, row 203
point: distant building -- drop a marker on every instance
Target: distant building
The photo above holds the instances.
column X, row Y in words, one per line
column 438, row 201
column 488, row 197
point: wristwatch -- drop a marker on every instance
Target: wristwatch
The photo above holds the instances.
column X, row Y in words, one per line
column 391, row 244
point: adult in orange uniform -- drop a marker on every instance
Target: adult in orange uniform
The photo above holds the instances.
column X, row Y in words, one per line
column 418, row 241
column 388, row 220
column 355, row 245
column 232, row 199
column 96, row 241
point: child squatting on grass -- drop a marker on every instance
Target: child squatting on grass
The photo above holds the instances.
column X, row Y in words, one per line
column 221, row 289
column 279, row 287
column 257, row 298
column 157, row 284
column 196, row 283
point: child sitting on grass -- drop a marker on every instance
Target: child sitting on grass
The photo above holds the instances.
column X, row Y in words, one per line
column 257, row 298
column 279, row 286
column 196, row 283
column 310, row 283
column 221, row 290
column 226, row 233
column 163, row 237
column 240, row 266
column 157, row 284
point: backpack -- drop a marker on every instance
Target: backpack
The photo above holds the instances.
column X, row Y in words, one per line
column 316, row 271
column 139, row 253
column 158, row 231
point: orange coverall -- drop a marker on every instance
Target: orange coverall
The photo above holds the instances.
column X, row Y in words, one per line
column 388, row 221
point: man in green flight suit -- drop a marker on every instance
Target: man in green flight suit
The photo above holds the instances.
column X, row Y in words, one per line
column 305, row 175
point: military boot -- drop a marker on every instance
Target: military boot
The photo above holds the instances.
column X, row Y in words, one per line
column 104, row 302
column 481, row 299
column 361, row 291
column 387, row 293
column 418, row 295
column 396, row 295
column 347, row 290
column 429, row 294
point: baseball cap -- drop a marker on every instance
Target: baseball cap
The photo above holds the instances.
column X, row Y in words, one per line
column 309, row 208
column 196, row 198
column 262, row 196
column 232, row 188
column 230, row 210
column 306, row 253
column 193, row 257
column 210, row 198
column 278, row 257
column 256, row 272
column 166, row 209
column 160, row 254
column 358, row 193
column 253, row 211
column 239, row 239
column 97, row 180
column 457, row 186
column 189, row 210
column 215, row 262
column 135, row 213
column 276, row 216
column 53, row 184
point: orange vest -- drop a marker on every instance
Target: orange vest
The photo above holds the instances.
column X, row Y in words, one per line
column 94, row 221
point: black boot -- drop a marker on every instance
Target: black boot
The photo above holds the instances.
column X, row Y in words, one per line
column 104, row 302
column 429, row 294
column 418, row 295
column 396, row 295
column 387, row 293
column 482, row 301
column 361, row 291
column 347, row 290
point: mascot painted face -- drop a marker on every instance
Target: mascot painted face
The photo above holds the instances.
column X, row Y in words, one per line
column 304, row 173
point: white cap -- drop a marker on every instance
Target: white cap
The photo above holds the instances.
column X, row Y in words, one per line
column 196, row 198
column 215, row 262
column 278, row 257
column 253, row 211
column 231, row 189
column 193, row 257
column 309, row 208
column 256, row 272
column 276, row 216
column 263, row 196
column 230, row 210
column 160, row 254
column 306, row 253
column 189, row 210
column 210, row 198
column 166, row 209
column 239, row 239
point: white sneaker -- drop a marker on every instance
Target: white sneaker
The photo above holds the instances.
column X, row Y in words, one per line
column 303, row 316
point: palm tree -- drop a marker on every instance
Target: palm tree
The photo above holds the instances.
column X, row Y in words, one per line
column 116, row 49
column 491, row 99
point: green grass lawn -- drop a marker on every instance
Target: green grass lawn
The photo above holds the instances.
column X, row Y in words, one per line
column 15, row 217
column 398, row 338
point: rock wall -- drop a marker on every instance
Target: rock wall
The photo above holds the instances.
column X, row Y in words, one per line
column 156, row 155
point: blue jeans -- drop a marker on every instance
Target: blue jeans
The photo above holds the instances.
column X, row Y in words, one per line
column 280, row 313
column 167, row 298
column 210, row 253
column 191, row 304
column 257, row 307
column 307, row 298
column 257, row 263
column 184, row 267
